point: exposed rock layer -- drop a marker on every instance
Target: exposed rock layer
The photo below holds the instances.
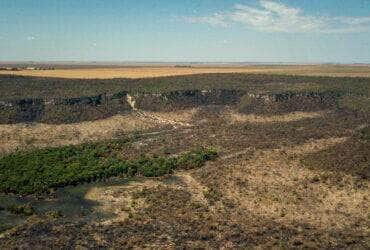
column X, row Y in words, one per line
column 70, row 110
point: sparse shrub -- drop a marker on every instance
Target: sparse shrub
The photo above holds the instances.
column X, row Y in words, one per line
column 167, row 151
column 5, row 226
column 212, row 195
column 245, row 102
column 315, row 179
column 30, row 141
column 365, row 134
column 248, row 126
column 54, row 214
column 26, row 210
column 145, row 192
column 358, row 103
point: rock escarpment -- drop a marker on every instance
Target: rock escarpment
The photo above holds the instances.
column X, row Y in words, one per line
column 70, row 110
column 63, row 110
column 288, row 102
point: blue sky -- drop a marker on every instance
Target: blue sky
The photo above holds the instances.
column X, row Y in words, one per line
column 188, row 30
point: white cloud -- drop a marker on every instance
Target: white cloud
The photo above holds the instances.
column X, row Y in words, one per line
column 30, row 38
column 272, row 16
column 214, row 20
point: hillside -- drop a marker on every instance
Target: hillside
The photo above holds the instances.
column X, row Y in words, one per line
column 200, row 161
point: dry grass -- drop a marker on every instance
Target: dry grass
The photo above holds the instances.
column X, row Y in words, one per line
column 260, row 192
column 145, row 72
column 118, row 200
column 21, row 136
column 45, row 135
column 259, row 119
column 272, row 185
column 121, row 201
column 278, row 188
column 178, row 118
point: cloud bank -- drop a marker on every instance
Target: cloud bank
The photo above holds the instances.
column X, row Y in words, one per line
column 272, row 16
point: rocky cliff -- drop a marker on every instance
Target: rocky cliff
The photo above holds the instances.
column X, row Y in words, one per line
column 69, row 110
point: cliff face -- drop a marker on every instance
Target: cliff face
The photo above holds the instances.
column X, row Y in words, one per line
column 288, row 102
column 63, row 110
column 69, row 110
column 170, row 101
column 24, row 110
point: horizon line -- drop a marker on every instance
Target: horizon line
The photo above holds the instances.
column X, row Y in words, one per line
column 116, row 62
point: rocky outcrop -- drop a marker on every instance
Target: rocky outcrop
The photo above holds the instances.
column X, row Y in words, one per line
column 288, row 102
column 24, row 110
column 182, row 99
column 69, row 110
column 63, row 110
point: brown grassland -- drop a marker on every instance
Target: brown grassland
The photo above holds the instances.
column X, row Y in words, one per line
column 150, row 71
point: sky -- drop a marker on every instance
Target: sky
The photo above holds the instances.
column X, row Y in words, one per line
column 301, row 31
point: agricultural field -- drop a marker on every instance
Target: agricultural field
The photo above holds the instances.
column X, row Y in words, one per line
column 173, row 159
column 134, row 72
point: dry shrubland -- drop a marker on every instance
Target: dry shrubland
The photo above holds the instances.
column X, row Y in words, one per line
column 291, row 178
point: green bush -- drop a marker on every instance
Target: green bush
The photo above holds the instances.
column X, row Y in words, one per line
column 40, row 170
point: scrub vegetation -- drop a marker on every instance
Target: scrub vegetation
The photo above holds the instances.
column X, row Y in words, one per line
column 41, row 87
column 291, row 169
column 40, row 170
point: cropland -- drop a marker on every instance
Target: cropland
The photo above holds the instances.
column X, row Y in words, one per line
column 189, row 159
